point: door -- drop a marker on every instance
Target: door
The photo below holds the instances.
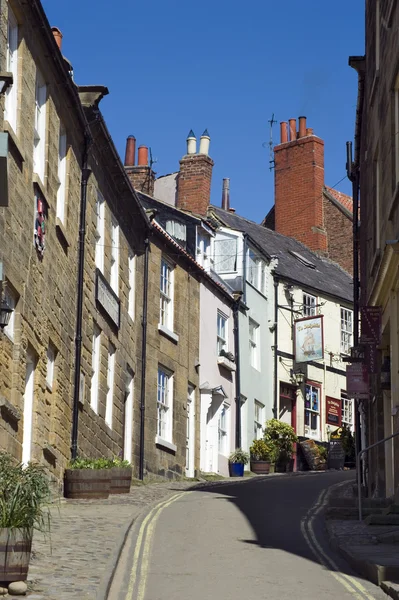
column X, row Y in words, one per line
column 190, row 433
column 128, row 419
column 28, row 408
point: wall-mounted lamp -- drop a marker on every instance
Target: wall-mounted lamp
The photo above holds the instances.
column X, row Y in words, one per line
column 6, row 80
column 299, row 376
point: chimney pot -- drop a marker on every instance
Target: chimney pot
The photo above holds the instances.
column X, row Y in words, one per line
column 143, row 156
column 191, row 143
column 226, row 194
column 292, row 123
column 204, row 143
column 57, row 36
column 233, row 210
column 309, row 131
column 283, row 132
column 302, row 126
column 130, row 154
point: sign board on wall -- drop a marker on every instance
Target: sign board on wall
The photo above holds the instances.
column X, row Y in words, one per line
column 371, row 325
column 333, row 411
column 357, row 381
column 107, row 299
column 309, row 339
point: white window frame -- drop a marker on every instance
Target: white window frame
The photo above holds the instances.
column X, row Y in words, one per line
column 223, row 429
column 309, row 305
column 259, row 419
column 12, row 300
column 39, row 144
column 131, row 301
column 309, row 430
column 109, row 404
column 225, row 254
column 203, row 250
column 100, row 232
column 346, row 330
column 51, row 356
column 165, row 381
column 254, row 350
column 62, row 170
column 96, row 362
column 221, row 332
column 348, row 411
column 166, row 304
column 114, row 274
column 256, row 271
column 11, row 100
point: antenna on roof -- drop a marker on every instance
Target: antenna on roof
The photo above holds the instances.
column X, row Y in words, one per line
column 272, row 121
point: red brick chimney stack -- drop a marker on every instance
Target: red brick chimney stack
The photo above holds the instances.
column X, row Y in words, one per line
column 299, row 182
column 195, row 175
column 141, row 175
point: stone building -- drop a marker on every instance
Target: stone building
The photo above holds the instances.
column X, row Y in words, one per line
column 377, row 166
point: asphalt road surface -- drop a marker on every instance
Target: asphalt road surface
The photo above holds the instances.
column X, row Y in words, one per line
column 254, row 539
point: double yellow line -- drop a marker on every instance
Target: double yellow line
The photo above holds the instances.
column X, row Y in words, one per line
column 141, row 558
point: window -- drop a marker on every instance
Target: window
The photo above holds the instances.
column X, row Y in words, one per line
column 178, row 231
column 39, row 145
column 346, row 330
column 312, row 411
column 309, row 305
column 12, row 66
column 51, row 354
column 221, row 333
column 256, row 271
column 203, row 250
column 95, row 363
column 114, row 280
column 222, row 429
column 254, row 343
column 109, row 405
column 11, row 300
column 164, row 405
column 347, row 411
column 166, row 299
column 259, row 420
column 100, row 208
column 131, row 284
column 62, row 158
column 225, row 255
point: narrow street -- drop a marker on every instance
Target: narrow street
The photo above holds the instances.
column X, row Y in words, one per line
column 260, row 538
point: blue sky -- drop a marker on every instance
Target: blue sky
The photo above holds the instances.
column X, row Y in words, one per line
column 224, row 65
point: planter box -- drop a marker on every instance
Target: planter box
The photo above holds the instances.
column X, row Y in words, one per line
column 88, row 484
column 121, row 479
column 260, row 467
column 236, row 469
column 15, row 549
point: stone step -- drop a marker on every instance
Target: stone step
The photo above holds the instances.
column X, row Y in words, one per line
column 377, row 563
column 349, row 512
column 391, row 588
column 378, row 519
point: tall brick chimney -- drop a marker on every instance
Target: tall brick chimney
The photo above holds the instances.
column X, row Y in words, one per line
column 195, row 175
column 299, row 182
column 141, row 175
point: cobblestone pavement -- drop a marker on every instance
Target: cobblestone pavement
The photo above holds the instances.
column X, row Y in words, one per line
column 85, row 538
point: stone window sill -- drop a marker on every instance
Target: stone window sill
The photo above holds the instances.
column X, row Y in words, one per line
column 9, row 409
column 14, row 141
column 60, row 228
column 38, row 182
column 223, row 361
column 168, row 333
column 165, row 444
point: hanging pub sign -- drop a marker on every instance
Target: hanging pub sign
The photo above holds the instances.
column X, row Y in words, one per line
column 333, row 411
column 371, row 325
column 357, row 381
column 309, row 339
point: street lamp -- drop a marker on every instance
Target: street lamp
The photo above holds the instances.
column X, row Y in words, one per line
column 299, row 376
column 6, row 80
column 5, row 313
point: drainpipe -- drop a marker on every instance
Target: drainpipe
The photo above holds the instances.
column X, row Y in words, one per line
column 275, row 404
column 236, row 316
column 144, row 357
column 79, row 309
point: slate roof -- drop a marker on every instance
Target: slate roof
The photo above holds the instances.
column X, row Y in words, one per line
column 327, row 277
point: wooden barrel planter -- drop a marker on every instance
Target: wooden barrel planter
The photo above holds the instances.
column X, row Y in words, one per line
column 15, row 549
column 121, row 479
column 260, row 467
column 87, row 484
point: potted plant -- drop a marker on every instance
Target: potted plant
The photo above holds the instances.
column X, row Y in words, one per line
column 237, row 460
column 282, row 436
column 24, row 494
column 88, row 478
column 121, row 476
column 323, row 457
column 261, row 457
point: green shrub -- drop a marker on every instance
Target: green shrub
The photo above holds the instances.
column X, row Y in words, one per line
column 239, row 456
column 98, row 463
column 282, row 437
column 24, row 493
column 322, row 452
column 261, row 450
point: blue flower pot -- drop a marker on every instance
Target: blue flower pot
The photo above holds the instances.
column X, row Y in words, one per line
column 236, row 469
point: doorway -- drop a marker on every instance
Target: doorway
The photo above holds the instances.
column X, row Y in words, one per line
column 128, row 418
column 28, row 407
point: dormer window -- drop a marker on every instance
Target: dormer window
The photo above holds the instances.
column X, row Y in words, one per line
column 203, row 250
column 178, row 231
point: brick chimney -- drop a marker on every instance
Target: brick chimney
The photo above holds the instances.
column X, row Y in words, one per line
column 195, row 175
column 299, row 182
column 141, row 175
